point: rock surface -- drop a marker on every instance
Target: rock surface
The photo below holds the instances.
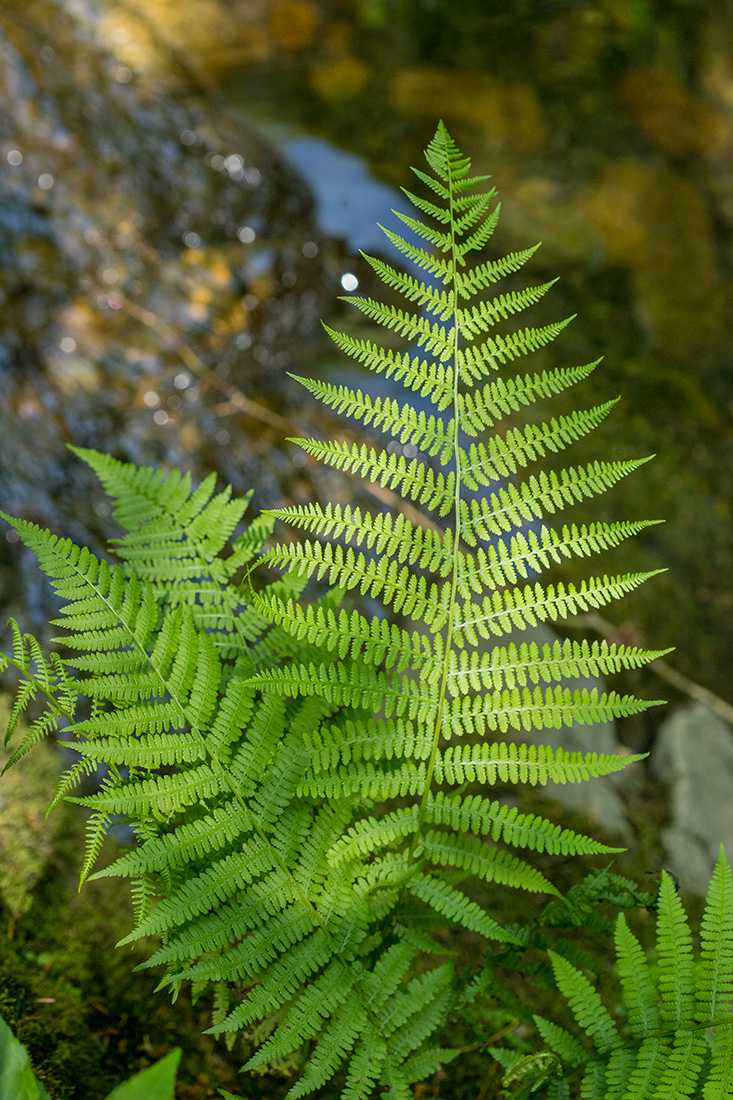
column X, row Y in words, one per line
column 157, row 260
column 694, row 756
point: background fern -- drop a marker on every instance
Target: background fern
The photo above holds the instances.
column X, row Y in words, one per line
column 306, row 782
column 678, row 1036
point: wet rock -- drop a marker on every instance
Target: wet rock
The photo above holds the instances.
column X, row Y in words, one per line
column 694, row 756
column 157, row 258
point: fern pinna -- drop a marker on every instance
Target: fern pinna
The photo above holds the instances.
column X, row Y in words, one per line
column 306, row 783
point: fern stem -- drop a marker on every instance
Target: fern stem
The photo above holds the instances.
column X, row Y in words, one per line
column 442, row 690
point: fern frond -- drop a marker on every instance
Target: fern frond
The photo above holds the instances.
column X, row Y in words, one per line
column 40, row 675
column 398, row 585
column 475, row 361
column 483, row 317
column 676, row 965
column 518, row 666
column 589, row 1011
column 503, row 611
column 502, row 822
column 286, row 764
column 560, row 1041
column 669, row 1055
column 481, row 409
column 513, row 506
column 392, row 536
column 469, row 282
column 639, row 990
column 351, row 684
column 409, row 425
column 428, row 261
column 408, row 476
column 502, row 457
column 536, row 551
column 451, row 903
column 145, row 497
column 351, row 634
column 528, row 709
column 489, row 864
column 513, row 763
column 439, row 302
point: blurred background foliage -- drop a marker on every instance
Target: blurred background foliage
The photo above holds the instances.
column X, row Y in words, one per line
column 169, row 188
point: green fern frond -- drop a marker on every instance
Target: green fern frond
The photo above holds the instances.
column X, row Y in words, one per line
column 482, row 318
column 409, row 425
column 503, row 611
column 589, row 1011
column 174, row 539
column 490, row 864
column 528, row 709
column 676, row 964
column 545, row 493
column 392, row 536
column 499, row 821
column 410, row 477
column 398, row 585
column 286, row 763
column 513, row 763
column 668, row 1055
column 639, row 990
column 504, row 456
column 456, row 907
column 481, row 409
column 501, row 564
column 518, row 666
column 351, row 634
column 475, row 361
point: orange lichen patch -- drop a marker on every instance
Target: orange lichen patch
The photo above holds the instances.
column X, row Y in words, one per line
column 676, row 121
column 507, row 112
column 293, row 24
column 340, row 78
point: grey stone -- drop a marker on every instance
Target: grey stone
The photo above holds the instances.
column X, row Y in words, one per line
column 694, row 756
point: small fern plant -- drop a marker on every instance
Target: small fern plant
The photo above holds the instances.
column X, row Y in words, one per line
column 678, row 1038
column 309, row 784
